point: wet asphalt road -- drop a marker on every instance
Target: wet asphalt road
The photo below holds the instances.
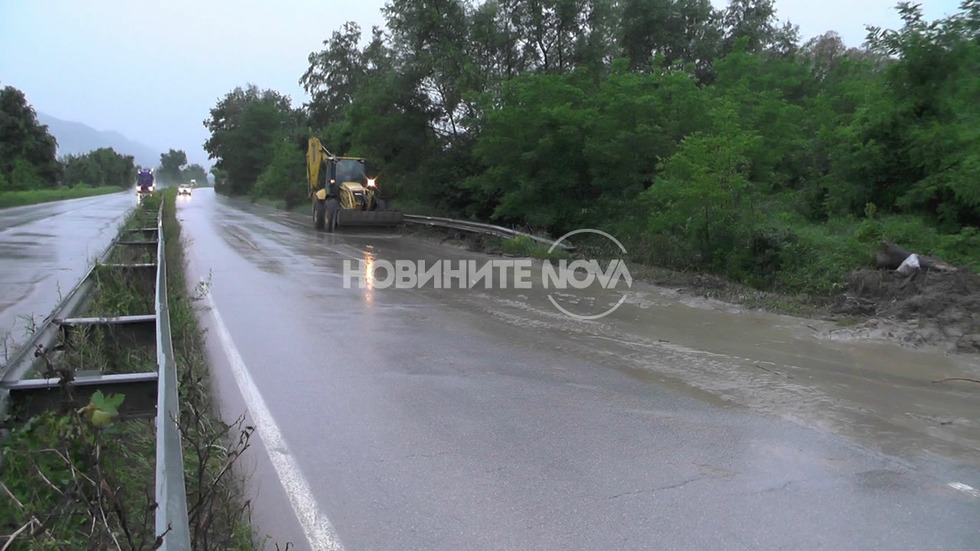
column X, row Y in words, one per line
column 46, row 249
column 429, row 419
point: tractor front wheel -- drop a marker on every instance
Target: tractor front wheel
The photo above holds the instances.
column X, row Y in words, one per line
column 319, row 214
column 333, row 210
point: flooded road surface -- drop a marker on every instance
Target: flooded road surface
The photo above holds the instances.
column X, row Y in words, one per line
column 487, row 419
column 45, row 250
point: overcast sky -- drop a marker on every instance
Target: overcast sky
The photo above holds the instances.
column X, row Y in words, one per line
column 152, row 69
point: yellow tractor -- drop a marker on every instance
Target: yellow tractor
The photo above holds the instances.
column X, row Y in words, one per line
column 341, row 192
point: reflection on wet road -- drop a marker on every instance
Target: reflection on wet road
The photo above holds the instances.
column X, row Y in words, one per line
column 46, row 249
column 486, row 419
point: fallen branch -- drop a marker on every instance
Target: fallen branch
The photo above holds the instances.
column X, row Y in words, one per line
column 12, row 537
column 890, row 256
column 9, row 493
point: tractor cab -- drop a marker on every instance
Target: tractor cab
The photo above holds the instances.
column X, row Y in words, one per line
column 350, row 184
column 349, row 169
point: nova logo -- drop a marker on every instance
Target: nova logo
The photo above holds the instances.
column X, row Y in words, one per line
column 582, row 289
column 582, row 275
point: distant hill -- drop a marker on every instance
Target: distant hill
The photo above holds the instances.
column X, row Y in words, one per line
column 75, row 138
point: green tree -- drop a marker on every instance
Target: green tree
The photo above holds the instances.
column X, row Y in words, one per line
column 755, row 22
column 492, row 46
column 388, row 124
column 82, row 170
column 285, row 176
column 641, row 119
column 171, row 168
column 670, row 33
column 704, row 195
column 220, row 179
column 432, row 34
column 102, row 167
column 533, row 148
column 23, row 176
column 928, row 121
column 553, row 34
column 334, row 75
column 244, row 126
column 118, row 169
column 23, row 138
column 194, row 172
column 771, row 97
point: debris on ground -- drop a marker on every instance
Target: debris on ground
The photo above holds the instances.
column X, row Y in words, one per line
column 892, row 257
column 940, row 302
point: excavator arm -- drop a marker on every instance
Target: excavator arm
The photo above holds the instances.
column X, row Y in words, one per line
column 315, row 155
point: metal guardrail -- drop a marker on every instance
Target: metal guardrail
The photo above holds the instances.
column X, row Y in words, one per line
column 171, row 496
column 171, row 512
column 23, row 360
column 478, row 227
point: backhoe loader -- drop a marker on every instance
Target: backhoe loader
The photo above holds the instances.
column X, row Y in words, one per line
column 341, row 192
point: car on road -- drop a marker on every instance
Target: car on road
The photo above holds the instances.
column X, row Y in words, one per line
column 184, row 189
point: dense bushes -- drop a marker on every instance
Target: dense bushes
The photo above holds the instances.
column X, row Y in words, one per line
column 102, row 167
column 713, row 141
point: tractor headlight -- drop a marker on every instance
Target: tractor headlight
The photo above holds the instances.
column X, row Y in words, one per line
column 371, row 182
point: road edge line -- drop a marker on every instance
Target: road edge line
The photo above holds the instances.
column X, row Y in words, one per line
column 317, row 528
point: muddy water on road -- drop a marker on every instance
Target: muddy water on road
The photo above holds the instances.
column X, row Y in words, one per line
column 879, row 392
column 795, row 368
column 789, row 367
column 486, row 418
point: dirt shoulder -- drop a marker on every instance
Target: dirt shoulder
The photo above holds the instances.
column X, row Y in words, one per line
column 925, row 308
column 922, row 308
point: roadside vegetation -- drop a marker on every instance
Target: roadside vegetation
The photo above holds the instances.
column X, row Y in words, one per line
column 33, row 197
column 707, row 140
column 30, row 173
column 82, row 477
column 524, row 246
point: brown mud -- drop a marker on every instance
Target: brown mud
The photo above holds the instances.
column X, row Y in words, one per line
column 925, row 308
column 922, row 308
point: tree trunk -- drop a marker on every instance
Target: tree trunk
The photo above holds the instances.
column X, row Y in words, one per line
column 890, row 256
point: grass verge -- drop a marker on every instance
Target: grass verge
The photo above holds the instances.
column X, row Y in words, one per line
column 526, row 247
column 35, row 196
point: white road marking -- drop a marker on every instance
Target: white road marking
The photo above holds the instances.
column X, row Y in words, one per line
column 965, row 488
column 319, row 531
